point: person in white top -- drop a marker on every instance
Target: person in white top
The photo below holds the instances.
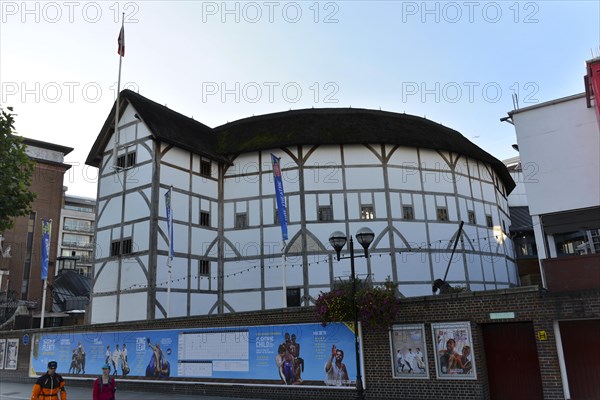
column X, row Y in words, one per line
column 337, row 374
column 116, row 358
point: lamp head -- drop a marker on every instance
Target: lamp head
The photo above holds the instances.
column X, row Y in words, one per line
column 338, row 240
column 365, row 237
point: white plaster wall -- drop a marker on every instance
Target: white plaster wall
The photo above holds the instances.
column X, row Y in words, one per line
column 201, row 303
column 364, row 177
column 361, row 155
column 137, row 206
column 132, row 306
column 204, row 187
column 403, row 156
column 134, row 272
column 247, row 301
column 562, row 141
column 104, row 309
column 140, row 175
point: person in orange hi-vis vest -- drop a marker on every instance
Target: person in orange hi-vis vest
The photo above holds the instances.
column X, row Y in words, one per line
column 49, row 385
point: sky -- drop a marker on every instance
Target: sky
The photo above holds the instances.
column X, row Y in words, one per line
column 455, row 63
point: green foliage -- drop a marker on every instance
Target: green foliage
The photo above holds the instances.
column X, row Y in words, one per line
column 16, row 170
column 377, row 307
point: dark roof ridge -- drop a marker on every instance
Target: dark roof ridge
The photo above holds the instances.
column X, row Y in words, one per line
column 130, row 93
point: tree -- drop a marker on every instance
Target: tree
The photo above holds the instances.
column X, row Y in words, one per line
column 16, row 170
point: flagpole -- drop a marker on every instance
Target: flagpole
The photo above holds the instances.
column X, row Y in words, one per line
column 283, row 273
column 43, row 304
column 121, row 51
column 45, row 257
column 169, row 235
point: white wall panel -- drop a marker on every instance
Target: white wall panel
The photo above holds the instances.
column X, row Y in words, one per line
column 201, row 303
column 136, row 207
column 132, row 307
column 413, row 267
column 294, row 208
column 364, row 178
column 310, row 207
column 104, row 309
column 360, row 155
column 326, row 177
column 177, row 157
column 246, row 301
column 404, row 156
column 205, row 187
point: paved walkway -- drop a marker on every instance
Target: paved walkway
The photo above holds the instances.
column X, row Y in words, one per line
column 22, row 391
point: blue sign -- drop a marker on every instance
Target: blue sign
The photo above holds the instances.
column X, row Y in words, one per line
column 265, row 355
column 25, row 339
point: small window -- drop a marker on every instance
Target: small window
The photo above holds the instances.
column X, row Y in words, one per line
column 293, row 297
column 115, row 248
column 121, row 161
column 489, row 221
column 472, row 218
column 121, row 247
column 325, row 213
column 131, row 158
column 127, row 246
column 408, row 213
column 241, row 220
column 204, row 218
column 204, row 267
column 205, row 168
column 127, row 160
column 442, row 214
column 366, row 212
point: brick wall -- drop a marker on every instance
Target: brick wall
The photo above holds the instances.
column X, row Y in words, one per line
column 529, row 304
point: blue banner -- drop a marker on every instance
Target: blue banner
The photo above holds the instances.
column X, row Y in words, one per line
column 169, row 221
column 280, row 196
column 264, row 355
column 46, row 228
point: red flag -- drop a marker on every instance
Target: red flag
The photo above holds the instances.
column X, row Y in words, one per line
column 121, row 42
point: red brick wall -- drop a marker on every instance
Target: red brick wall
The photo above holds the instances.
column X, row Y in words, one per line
column 529, row 304
column 47, row 183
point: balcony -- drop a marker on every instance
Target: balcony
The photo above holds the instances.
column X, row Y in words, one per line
column 78, row 228
column 79, row 245
column 571, row 273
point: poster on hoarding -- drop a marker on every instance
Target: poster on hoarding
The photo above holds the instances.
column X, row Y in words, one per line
column 12, row 354
column 409, row 351
column 454, row 353
column 304, row 354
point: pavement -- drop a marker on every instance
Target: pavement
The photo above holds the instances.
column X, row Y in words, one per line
column 22, row 391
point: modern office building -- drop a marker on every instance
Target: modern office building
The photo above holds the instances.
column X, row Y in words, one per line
column 76, row 233
column 408, row 179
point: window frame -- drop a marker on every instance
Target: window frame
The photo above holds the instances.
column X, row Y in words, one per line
column 365, row 213
column 321, row 214
column 238, row 216
column 441, row 214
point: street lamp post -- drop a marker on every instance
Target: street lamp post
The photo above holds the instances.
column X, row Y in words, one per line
column 337, row 240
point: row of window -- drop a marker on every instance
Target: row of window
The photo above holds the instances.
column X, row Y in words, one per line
column 125, row 247
column 325, row 213
column 129, row 159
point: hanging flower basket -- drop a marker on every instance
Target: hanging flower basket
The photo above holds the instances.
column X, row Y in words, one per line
column 377, row 307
